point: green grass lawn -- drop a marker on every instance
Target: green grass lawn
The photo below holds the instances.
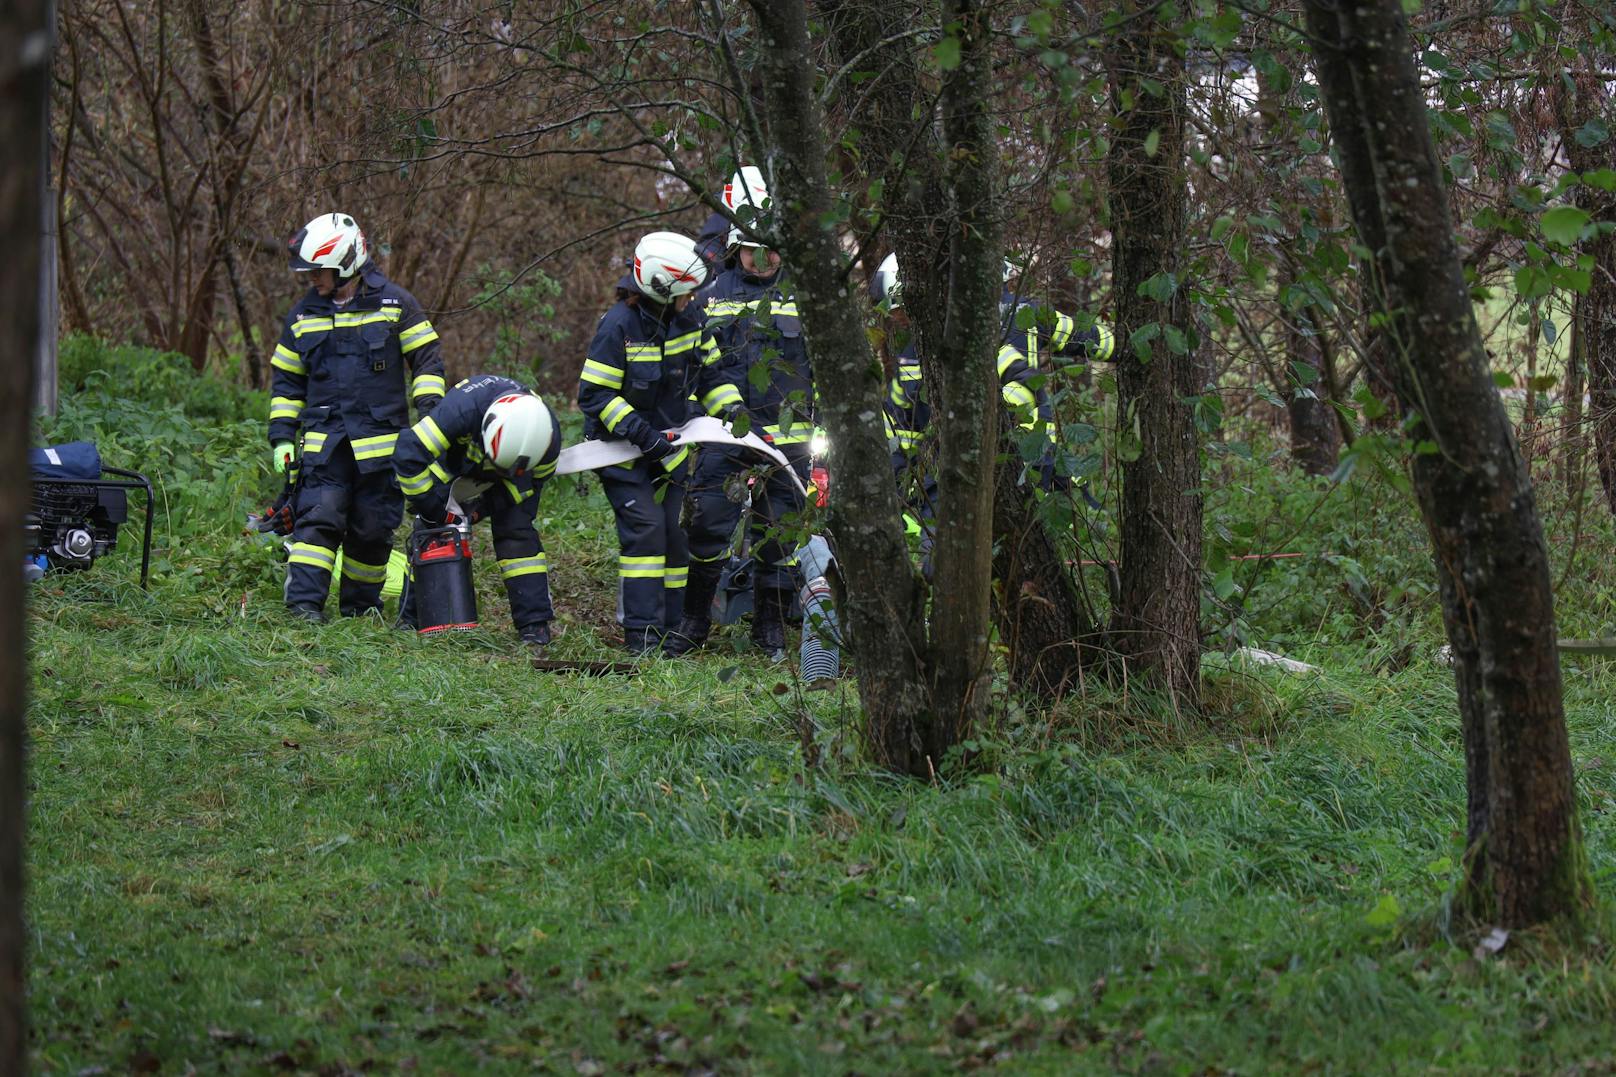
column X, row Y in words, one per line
column 263, row 847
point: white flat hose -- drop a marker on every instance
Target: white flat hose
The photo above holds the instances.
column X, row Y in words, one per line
column 592, row 455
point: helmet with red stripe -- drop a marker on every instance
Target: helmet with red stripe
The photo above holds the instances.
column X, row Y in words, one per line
column 518, row 429
column 330, row 241
column 666, row 265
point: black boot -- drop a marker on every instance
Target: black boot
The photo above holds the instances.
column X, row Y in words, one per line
column 696, row 624
column 535, row 635
column 639, row 641
column 769, row 605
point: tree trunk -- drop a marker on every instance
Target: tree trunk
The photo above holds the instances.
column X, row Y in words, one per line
column 885, row 607
column 1042, row 615
column 967, row 396
column 1315, row 441
column 24, row 56
column 1156, row 627
column 1573, row 446
column 1595, row 311
column 1525, row 863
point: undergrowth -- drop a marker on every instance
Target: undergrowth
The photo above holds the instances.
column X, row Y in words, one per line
column 260, row 847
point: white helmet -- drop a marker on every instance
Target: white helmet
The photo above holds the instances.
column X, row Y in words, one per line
column 518, row 430
column 746, row 188
column 666, row 265
column 885, row 287
column 330, row 241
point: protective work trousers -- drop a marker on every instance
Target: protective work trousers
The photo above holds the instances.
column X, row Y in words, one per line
column 713, row 515
column 654, row 561
column 338, row 506
column 522, row 562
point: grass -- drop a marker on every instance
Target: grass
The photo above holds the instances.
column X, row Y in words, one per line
column 261, row 847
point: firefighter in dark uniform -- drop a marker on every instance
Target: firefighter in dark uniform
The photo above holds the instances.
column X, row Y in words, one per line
column 354, row 351
column 493, row 442
column 1021, row 382
column 651, row 363
column 1044, row 335
column 752, row 315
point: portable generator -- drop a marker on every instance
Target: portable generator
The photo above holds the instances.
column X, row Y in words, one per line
column 75, row 512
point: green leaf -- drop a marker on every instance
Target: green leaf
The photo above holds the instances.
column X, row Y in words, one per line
column 1440, row 866
column 1592, row 133
column 1503, row 379
column 947, row 53
column 1224, row 586
column 1603, row 179
column 1532, row 282
column 1385, row 912
column 1220, row 228
column 1152, row 143
column 1412, row 7
column 1564, row 224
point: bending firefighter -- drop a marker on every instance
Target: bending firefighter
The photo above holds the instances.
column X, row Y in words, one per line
column 353, row 352
column 489, row 446
column 650, row 362
column 753, row 317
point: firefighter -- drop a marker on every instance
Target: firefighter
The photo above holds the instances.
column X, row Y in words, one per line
column 752, row 315
column 650, row 356
column 491, row 443
column 1040, row 332
column 353, row 353
column 745, row 188
column 1020, row 385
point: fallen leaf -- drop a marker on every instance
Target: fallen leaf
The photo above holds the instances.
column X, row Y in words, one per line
column 292, row 744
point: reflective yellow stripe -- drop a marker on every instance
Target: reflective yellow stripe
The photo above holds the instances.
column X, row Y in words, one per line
column 427, row 385
column 350, row 319
column 511, row 567
column 374, row 448
column 1032, row 347
column 709, row 560
column 544, row 471
column 641, row 568
column 1063, row 331
column 908, row 439
column 311, row 325
column 794, row 434
column 639, row 353
column 439, row 472
column 284, row 407
column 726, row 308
column 682, row 343
column 360, row 572
column 676, row 577
column 306, row 553
column 720, row 397
column 1007, row 355
column 709, row 352
column 1107, row 343
column 313, row 441
column 1018, row 395
column 415, row 336
column 909, row 373
column 602, row 375
column 431, row 436
column 288, row 360
column 672, row 463
column 416, row 485
column 615, row 411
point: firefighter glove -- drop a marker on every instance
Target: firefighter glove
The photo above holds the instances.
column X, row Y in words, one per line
column 283, row 453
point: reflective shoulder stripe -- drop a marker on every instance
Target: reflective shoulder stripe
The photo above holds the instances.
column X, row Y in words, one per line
column 288, row 360
column 416, row 336
column 431, row 436
column 311, row 325
column 597, row 373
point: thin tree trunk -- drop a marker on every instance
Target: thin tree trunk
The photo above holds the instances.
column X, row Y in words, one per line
column 1525, row 862
column 885, row 604
column 1595, row 311
column 965, row 418
column 24, row 58
column 1573, row 446
column 1156, row 627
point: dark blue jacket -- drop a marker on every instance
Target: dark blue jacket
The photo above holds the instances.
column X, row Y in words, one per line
column 1041, row 333
column 341, row 372
column 643, row 368
column 448, row 444
column 755, row 322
